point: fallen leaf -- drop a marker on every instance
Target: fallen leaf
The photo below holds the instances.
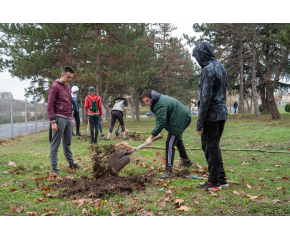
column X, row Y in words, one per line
column 252, row 197
column 244, row 163
column 41, row 167
column 261, row 196
column 23, row 185
column 178, row 201
column 4, row 185
column 169, row 192
column 113, row 214
column 248, row 186
column 161, row 203
column 39, row 200
column 11, row 163
column 261, row 179
column 268, row 170
column 17, row 209
column 48, row 214
column 12, row 190
column 276, row 201
column 32, row 214
column 184, row 208
column 214, row 195
column 285, row 178
column 196, row 202
column 149, row 157
column 280, row 188
column 279, row 204
column 149, row 213
column 45, row 188
column 231, row 170
column 277, row 165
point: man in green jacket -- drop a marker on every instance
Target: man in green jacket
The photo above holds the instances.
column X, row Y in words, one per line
column 175, row 118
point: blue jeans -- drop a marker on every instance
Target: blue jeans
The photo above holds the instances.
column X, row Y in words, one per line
column 235, row 110
column 100, row 126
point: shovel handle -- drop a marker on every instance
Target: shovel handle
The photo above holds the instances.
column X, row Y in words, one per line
column 145, row 144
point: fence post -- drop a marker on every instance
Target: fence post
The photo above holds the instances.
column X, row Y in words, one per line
column 25, row 117
column 35, row 117
column 11, row 97
column 43, row 116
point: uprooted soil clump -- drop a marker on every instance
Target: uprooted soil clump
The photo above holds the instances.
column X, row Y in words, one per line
column 105, row 181
column 135, row 136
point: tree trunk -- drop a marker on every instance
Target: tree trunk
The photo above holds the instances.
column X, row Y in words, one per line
column 254, row 85
column 137, row 110
column 98, row 65
column 241, row 107
column 132, row 104
column 105, row 97
column 248, row 106
column 263, row 98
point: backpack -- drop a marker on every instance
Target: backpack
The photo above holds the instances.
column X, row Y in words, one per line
column 94, row 107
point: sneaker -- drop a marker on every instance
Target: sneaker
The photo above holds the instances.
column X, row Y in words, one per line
column 54, row 171
column 125, row 138
column 185, row 162
column 107, row 139
column 74, row 166
column 209, row 186
column 168, row 173
column 224, row 183
column 103, row 135
column 73, row 134
column 79, row 134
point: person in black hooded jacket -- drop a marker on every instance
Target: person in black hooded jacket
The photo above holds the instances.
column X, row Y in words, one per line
column 212, row 112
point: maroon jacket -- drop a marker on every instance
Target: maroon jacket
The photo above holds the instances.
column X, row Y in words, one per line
column 59, row 101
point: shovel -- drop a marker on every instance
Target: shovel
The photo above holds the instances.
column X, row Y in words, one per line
column 120, row 158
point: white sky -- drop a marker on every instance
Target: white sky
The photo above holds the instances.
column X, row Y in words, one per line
column 17, row 87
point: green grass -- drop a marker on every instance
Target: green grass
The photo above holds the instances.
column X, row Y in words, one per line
column 30, row 154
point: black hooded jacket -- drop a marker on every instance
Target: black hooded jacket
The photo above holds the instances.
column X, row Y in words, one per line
column 212, row 86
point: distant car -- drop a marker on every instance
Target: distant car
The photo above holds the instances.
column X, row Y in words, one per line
column 148, row 114
column 193, row 113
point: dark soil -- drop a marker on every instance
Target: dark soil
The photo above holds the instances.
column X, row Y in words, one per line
column 135, row 136
column 183, row 173
column 103, row 186
column 105, row 182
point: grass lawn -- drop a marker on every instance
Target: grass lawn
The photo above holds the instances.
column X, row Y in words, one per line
column 264, row 177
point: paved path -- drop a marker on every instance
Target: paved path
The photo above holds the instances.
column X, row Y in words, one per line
column 19, row 128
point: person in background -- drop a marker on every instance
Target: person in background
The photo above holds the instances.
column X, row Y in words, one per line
column 235, row 107
column 101, row 128
column 120, row 105
column 75, row 107
column 94, row 108
column 59, row 108
column 212, row 113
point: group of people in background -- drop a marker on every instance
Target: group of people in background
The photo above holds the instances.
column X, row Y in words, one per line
column 170, row 114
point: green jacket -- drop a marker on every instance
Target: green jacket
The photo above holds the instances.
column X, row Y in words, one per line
column 170, row 114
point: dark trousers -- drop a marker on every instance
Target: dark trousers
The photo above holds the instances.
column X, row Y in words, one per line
column 76, row 116
column 210, row 140
column 94, row 125
column 171, row 142
column 117, row 115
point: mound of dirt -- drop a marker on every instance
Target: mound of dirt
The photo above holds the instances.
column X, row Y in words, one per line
column 135, row 136
column 103, row 186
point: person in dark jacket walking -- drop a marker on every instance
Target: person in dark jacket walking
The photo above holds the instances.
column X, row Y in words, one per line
column 75, row 107
column 59, row 108
column 120, row 105
column 235, row 106
column 212, row 112
column 175, row 118
column 93, row 116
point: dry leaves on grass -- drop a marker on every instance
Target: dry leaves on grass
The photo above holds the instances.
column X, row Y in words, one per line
column 12, row 164
column 285, row 178
column 179, row 201
column 277, row 165
column 39, row 200
column 196, row 202
column 280, row 188
column 268, row 170
column 169, row 191
column 231, row 170
column 32, row 214
column 244, row 163
column 238, row 193
column 183, row 208
column 252, row 197
column 5, row 185
column 248, row 186
column 214, row 195
column 261, row 195
column 261, row 179
column 17, row 209
column 161, row 203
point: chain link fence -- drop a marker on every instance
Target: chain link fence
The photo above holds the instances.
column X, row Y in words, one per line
column 20, row 117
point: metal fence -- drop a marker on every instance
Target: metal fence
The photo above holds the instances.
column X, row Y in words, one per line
column 20, row 117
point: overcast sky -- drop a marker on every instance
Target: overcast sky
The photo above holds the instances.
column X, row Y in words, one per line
column 17, row 87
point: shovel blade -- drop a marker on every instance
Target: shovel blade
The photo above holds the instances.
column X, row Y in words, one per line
column 117, row 132
column 118, row 161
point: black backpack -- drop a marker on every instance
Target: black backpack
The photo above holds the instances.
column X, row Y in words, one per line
column 94, row 107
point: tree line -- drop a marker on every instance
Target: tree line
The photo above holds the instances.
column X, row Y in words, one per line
column 256, row 57
column 118, row 59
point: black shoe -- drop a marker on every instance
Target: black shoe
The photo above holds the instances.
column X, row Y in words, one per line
column 74, row 166
column 54, row 172
column 224, row 183
column 168, row 173
column 107, row 139
column 92, row 142
column 102, row 135
column 95, row 141
column 79, row 134
column 209, row 186
column 125, row 138
column 185, row 162
column 73, row 134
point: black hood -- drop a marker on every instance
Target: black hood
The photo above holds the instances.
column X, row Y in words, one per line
column 203, row 54
column 154, row 99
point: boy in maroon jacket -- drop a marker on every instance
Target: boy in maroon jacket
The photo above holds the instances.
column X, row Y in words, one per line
column 59, row 108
